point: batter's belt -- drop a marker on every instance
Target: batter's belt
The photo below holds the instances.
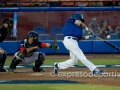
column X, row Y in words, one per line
column 74, row 38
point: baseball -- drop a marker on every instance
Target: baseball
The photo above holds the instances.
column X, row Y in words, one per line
column 108, row 36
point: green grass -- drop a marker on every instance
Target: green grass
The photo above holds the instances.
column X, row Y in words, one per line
column 62, row 86
column 95, row 61
column 56, row 87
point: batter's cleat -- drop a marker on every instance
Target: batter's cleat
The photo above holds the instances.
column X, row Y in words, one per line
column 2, row 70
column 38, row 70
column 97, row 71
column 55, row 67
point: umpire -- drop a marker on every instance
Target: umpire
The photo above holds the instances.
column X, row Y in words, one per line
column 4, row 29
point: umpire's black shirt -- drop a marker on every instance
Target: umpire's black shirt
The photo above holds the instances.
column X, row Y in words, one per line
column 3, row 33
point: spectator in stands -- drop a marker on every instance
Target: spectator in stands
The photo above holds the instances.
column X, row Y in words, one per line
column 12, row 4
column 95, row 4
column 117, row 3
column 0, row 4
column 108, row 3
column 90, row 4
column 94, row 26
column 117, row 30
column 3, row 4
column 105, row 29
column 41, row 4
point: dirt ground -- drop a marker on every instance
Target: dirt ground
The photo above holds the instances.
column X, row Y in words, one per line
column 111, row 77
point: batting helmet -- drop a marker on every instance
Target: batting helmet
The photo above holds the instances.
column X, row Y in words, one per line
column 78, row 16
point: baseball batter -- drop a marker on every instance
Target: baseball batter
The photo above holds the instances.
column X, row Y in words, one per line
column 4, row 30
column 27, row 54
column 73, row 30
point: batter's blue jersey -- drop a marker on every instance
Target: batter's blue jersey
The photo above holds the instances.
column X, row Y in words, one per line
column 70, row 29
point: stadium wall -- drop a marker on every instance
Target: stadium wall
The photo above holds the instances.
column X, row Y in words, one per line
column 56, row 17
column 88, row 46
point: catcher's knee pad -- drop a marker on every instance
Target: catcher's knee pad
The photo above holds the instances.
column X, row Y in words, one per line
column 41, row 57
column 19, row 55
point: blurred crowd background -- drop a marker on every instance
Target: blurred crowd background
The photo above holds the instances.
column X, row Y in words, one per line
column 58, row 3
column 49, row 24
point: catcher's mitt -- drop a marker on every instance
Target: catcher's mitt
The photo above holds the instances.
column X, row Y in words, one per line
column 55, row 46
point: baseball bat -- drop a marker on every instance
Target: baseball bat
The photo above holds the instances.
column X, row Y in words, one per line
column 112, row 45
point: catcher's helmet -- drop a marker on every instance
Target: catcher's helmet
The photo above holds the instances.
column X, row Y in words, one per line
column 10, row 22
column 78, row 16
column 32, row 34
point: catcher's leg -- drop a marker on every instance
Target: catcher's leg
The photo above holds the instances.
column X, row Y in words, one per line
column 2, row 61
column 39, row 62
column 16, row 60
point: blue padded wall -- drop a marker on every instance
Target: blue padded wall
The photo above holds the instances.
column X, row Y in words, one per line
column 87, row 46
column 101, row 47
column 9, row 46
column 97, row 8
column 66, row 8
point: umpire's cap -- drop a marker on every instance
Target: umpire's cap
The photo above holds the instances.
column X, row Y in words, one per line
column 9, row 21
column 78, row 16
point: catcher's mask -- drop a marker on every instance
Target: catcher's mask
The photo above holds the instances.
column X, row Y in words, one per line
column 9, row 21
column 34, row 35
column 78, row 16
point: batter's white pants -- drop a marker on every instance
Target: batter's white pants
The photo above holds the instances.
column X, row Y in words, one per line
column 29, row 60
column 75, row 54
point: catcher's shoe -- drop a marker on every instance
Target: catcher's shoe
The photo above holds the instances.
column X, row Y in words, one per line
column 97, row 71
column 38, row 70
column 55, row 67
column 2, row 70
column 10, row 70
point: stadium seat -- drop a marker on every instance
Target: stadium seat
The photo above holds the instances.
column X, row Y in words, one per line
column 81, row 4
column 91, row 38
column 59, row 36
column 54, row 4
column 25, row 4
column 54, row 31
column 40, row 30
column 67, row 4
column 44, row 37
column 114, row 36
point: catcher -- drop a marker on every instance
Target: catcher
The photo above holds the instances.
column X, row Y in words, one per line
column 27, row 52
column 4, row 30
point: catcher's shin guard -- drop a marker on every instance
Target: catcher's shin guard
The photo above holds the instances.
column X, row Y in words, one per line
column 13, row 64
column 39, row 62
column 2, row 61
column 16, row 60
